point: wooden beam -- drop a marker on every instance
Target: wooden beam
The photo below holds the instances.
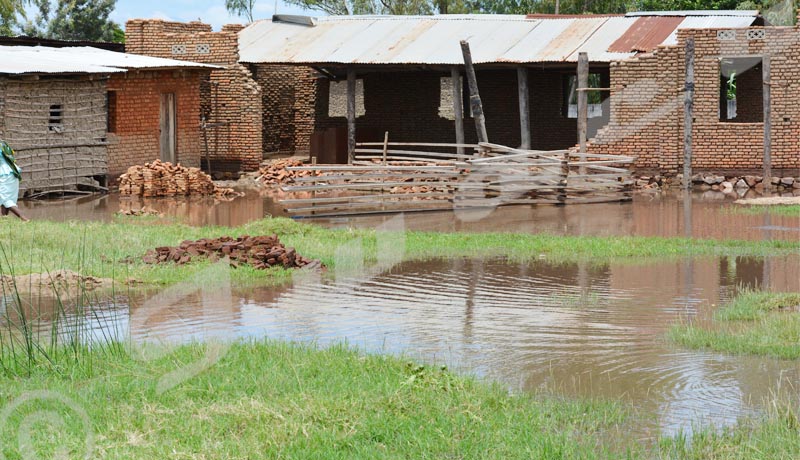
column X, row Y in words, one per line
column 351, row 115
column 765, row 69
column 688, row 114
column 524, row 109
column 458, row 107
column 583, row 102
column 474, row 95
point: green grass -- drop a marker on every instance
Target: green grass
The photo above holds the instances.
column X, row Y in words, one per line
column 291, row 401
column 782, row 210
column 278, row 400
column 754, row 323
column 96, row 248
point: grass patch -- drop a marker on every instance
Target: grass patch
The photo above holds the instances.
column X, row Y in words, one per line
column 778, row 209
column 754, row 323
column 97, row 248
column 291, row 401
column 278, row 400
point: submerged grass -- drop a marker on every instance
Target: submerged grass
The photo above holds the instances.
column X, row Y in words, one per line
column 97, row 248
column 782, row 210
column 755, row 322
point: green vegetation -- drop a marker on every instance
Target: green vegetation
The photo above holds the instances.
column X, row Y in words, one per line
column 114, row 250
column 757, row 323
column 782, row 210
column 279, row 400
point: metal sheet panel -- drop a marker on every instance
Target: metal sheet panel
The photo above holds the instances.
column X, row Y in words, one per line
column 646, row 33
column 45, row 60
column 435, row 39
column 709, row 22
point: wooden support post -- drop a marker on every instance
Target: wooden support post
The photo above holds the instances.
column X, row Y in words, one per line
column 385, row 146
column 765, row 69
column 524, row 110
column 688, row 114
column 583, row 106
column 474, row 95
column 351, row 116
column 458, row 107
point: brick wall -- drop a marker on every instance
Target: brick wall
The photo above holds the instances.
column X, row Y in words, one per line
column 136, row 113
column 231, row 99
column 288, row 94
column 647, row 105
column 407, row 105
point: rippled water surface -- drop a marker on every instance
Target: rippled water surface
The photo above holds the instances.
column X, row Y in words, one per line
column 574, row 329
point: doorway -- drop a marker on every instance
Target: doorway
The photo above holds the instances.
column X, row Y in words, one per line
column 169, row 145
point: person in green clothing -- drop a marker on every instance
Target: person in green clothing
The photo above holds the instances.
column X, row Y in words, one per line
column 9, row 182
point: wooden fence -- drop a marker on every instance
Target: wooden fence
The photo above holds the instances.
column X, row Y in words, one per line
column 402, row 177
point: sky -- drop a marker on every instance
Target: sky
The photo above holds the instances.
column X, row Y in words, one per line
column 209, row 11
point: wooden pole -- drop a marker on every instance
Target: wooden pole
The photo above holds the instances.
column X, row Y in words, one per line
column 474, row 95
column 583, row 106
column 351, row 116
column 688, row 114
column 524, row 110
column 458, row 107
column 765, row 68
column 385, row 146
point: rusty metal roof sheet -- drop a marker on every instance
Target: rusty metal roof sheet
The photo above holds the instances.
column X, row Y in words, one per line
column 19, row 60
column 646, row 33
column 434, row 40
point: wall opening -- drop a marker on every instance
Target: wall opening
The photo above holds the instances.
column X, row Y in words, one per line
column 446, row 108
column 741, row 90
column 596, row 98
column 337, row 99
column 55, row 122
column 111, row 112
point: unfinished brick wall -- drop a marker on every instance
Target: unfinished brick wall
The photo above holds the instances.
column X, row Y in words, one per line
column 136, row 117
column 407, row 105
column 288, row 98
column 231, row 98
column 647, row 105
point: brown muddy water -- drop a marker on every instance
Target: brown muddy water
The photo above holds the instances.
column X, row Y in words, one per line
column 705, row 216
column 572, row 329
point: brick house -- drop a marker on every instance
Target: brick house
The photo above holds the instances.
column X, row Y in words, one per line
column 77, row 115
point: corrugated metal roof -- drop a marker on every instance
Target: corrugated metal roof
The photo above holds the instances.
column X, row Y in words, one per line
column 646, row 33
column 709, row 22
column 690, row 13
column 435, row 40
column 19, row 60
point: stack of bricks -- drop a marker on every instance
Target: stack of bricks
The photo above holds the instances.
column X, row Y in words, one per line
column 165, row 179
column 231, row 98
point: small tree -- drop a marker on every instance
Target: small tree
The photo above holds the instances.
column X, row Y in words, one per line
column 241, row 8
column 75, row 20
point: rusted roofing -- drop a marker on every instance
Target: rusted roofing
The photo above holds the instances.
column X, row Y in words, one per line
column 646, row 33
column 434, row 40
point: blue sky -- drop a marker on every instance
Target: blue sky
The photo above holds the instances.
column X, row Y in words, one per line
column 209, row 11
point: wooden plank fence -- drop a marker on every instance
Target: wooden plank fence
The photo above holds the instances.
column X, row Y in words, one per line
column 407, row 177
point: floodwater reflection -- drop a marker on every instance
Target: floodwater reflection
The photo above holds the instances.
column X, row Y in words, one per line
column 574, row 329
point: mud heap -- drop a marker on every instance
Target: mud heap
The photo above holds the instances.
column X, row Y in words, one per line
column 165, row 179
column 260, row 252
column 275, row 172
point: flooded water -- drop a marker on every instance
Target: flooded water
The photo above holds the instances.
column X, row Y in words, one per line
column 573, row 329
column 705, row 216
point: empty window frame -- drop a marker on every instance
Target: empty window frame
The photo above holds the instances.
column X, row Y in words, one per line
column 111, row 114
column 741, row 90
column 55, row 121
column 337, row 98
column 595, row 98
